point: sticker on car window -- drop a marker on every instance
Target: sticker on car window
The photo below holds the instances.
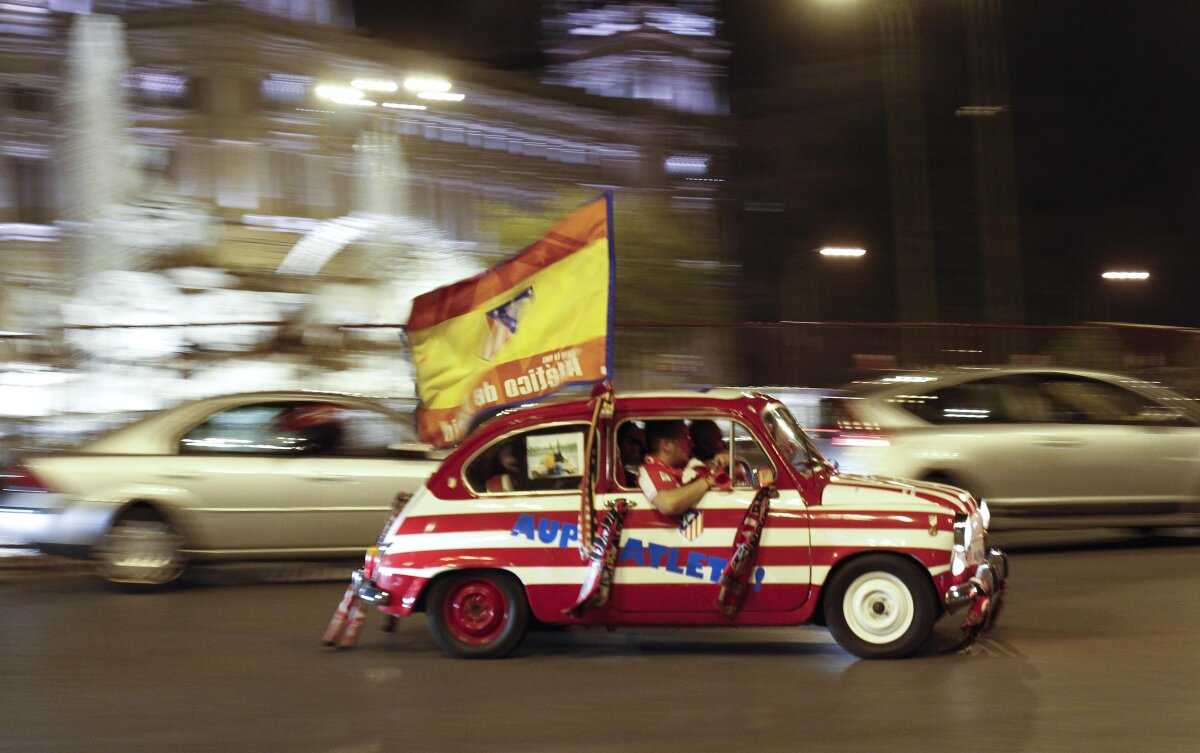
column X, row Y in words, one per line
column 554, row 455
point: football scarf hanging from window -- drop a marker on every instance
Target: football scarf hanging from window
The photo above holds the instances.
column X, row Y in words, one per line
column 736, row 575
column 602, row 561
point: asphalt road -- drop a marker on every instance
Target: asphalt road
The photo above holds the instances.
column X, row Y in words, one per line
column 1097, row 650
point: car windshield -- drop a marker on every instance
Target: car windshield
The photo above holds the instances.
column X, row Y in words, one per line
column 791, row 439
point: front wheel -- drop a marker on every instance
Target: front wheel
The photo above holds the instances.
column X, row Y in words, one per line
column 880, row 607
column 141, row 548
column 477, row 615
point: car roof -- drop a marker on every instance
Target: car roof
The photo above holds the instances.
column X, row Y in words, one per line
column 140, row 436
column 574, row 405
column 289, row 394
column 902, row 381
column 879, row 390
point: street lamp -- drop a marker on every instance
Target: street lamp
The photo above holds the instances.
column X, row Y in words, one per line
column 843, row 251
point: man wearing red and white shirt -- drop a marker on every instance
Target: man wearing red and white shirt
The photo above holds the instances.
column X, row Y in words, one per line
column 666, row 478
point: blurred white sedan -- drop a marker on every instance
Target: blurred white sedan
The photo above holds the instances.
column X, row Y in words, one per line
column 270, row 475
column 1046, row 447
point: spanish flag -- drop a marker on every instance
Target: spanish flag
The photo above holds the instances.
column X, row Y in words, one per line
column 523, row 329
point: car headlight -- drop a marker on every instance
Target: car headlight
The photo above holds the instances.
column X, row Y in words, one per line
column 964, row 534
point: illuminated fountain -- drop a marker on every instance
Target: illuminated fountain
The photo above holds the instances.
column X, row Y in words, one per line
column 399, row 255
column 394, row 255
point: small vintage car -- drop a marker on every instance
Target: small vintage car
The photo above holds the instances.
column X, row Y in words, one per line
column 878, row 560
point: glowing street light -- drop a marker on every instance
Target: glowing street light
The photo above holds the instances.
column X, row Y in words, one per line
column 842, row 251
column 1115, row 275
column 356, row 95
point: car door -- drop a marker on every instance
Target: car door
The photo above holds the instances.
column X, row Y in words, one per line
column 339, row 492
column 672, row 564
column 1112, row 446
column 288, row 475
column 978, row 436
column 525, row 512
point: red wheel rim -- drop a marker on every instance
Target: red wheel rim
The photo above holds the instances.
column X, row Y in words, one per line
column 476, row 611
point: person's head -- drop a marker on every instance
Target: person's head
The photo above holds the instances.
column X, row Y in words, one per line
column 319, row 425
column 631, row 442
column 706, row 435
column 507, row 458
column 669, row 441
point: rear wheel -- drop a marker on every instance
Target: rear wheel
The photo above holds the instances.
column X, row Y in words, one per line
column 141, row 548
column 880, row 607
column 477, row 615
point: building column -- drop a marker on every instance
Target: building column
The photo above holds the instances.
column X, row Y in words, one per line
column 908, row 162
column 989, row 106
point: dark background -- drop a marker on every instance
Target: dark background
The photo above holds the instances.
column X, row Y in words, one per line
column 1106, row 146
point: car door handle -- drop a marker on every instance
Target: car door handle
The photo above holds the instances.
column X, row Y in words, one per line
column 180, row 476
column 339, row 479
column 1065, row 443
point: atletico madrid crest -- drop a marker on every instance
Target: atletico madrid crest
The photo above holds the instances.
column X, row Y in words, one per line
column 502, row 323
column 691, row 525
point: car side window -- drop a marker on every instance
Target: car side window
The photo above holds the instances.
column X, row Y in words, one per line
column 245, row 429
column 791, row 440
column 310, row 428
column 747, row 457
column 970, row 403
column 1082, row 400
column 630, row 452
column 541, row 460
column 368, row 433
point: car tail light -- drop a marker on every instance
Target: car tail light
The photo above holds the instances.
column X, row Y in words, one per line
column 23, row 479
column 860, row 440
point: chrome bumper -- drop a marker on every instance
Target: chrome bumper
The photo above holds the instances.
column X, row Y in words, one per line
column 367, row 590
column 987, row 583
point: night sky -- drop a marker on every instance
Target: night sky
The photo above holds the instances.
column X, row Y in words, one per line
column 1108, row 153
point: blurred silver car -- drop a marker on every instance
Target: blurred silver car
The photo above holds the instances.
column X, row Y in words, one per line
column 271, row 475
column 1045, row 446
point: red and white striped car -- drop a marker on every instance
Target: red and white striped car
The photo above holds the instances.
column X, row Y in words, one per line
column 877, row 560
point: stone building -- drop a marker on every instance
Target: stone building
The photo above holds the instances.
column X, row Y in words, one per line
column 222, row 108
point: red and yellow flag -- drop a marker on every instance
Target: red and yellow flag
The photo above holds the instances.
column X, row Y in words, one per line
column 521, row 330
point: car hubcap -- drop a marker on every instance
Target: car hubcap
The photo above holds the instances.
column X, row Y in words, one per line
column 878, row 607
column 476, row 612
column 141, row 551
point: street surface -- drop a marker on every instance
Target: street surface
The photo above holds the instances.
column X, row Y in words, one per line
column 1097, row 650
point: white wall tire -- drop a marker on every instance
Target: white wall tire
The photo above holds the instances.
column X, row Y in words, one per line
column 880, row 607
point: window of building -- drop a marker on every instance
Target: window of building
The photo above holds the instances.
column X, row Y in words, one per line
column 28, row 99
column 31, row 185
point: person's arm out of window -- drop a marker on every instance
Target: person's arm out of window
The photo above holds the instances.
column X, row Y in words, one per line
column 679, row 499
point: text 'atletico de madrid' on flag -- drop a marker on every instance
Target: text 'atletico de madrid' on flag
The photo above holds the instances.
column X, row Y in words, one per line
column 528, row 326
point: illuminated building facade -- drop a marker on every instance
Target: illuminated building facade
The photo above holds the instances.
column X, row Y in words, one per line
column 223, row 112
